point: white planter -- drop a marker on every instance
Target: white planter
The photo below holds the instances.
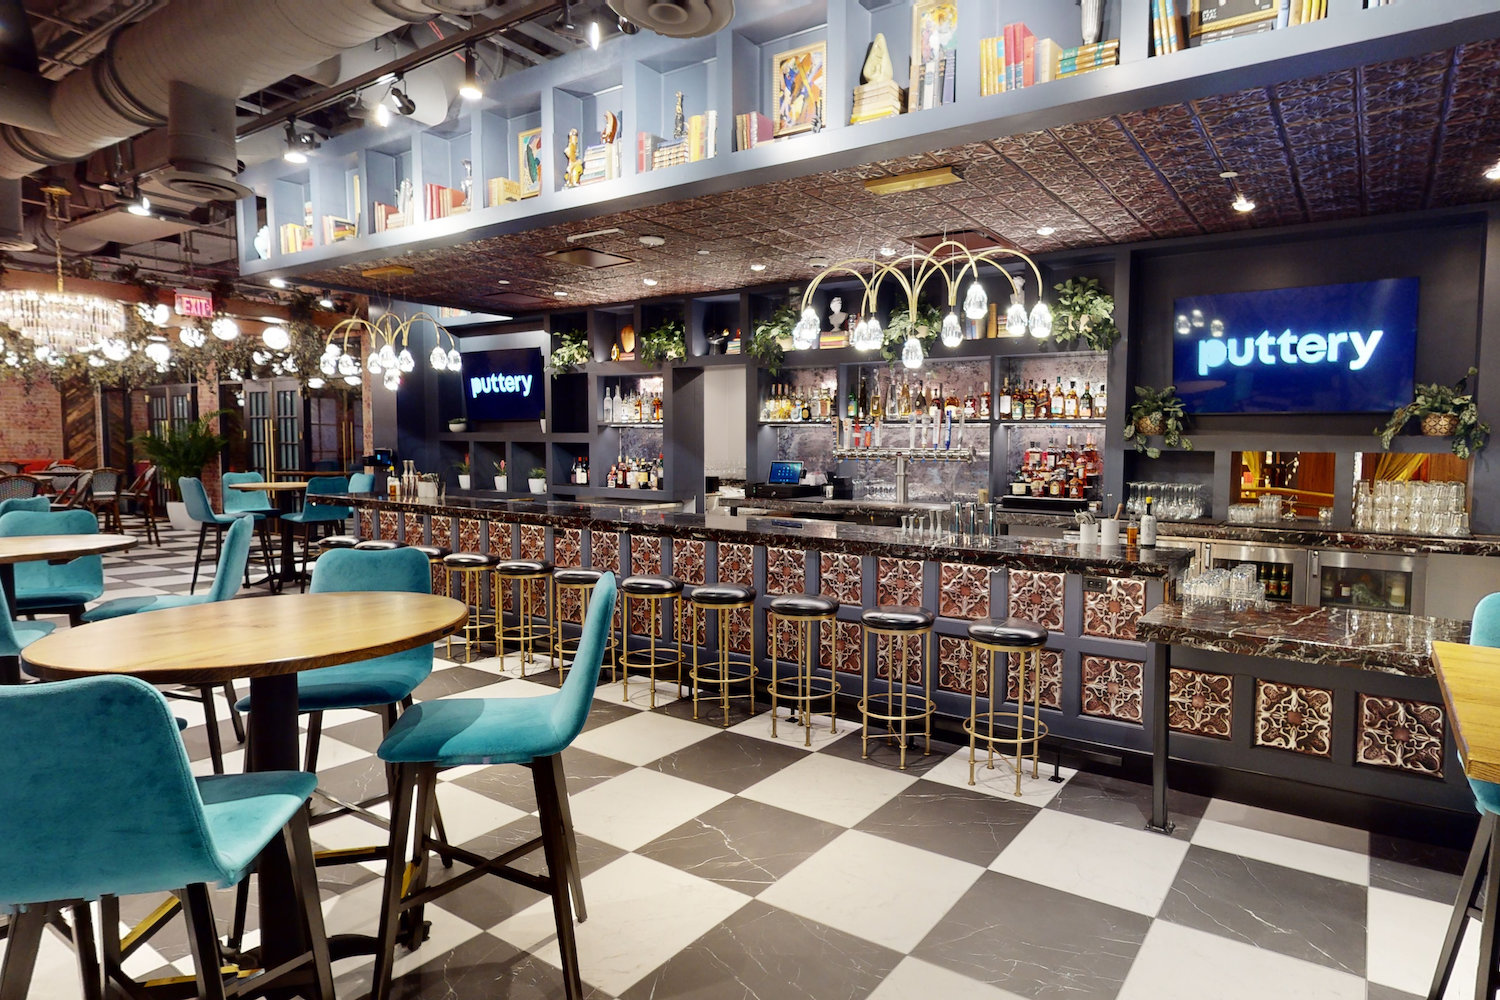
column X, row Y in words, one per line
column 427, row 491
column 177, row 516
column 463, row 482
column 537, row 485
column 458, row 426
column 500, row 484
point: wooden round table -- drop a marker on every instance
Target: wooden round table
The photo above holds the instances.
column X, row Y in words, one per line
column 269, row 640
column 53, row 549
column 286, row 503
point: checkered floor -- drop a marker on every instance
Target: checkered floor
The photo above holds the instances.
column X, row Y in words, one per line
column 728, row 863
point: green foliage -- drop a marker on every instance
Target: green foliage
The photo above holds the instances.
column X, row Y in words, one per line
column 537, row 472
column 1084, row 311
column 766, row 337
column 666, row 342
column 926, row 326
column 1153, row 402
column 1470, row 435
column 183, row 452
column 569, row 354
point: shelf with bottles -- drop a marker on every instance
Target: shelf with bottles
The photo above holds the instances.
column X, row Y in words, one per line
column 636, row 474
column 570, row 465
column 1057, row 465
column 1049, row 388
column 900, row 396
column 630, row 401
column 799, row 396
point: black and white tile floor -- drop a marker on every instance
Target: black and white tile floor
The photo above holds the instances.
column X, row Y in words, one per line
column 727, row 864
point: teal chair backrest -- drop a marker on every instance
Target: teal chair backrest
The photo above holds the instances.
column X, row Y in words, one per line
column 362, row 482
column 1485, row 631
column 570, row 710
column 245, row 500
column 196, row 499
column 98, row 797
column 40, row 504
column 232, row 560
column 38, row 579
column 330, row 486
column 10, row 643
column 397, row 570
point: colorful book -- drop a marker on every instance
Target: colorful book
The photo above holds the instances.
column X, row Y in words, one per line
column 1048, row 56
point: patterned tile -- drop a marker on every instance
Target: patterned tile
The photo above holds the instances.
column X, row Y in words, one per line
column 741, row 630
column 786, row 570
column 411, row 527
column 963, row 591
column 787, row 644
column 1037, row 597
column 567, row 547
column 570, row 605
column 366, row 524
column 889, row 650
column 1200, row 703
column 645, row 554
column 442, row 532
column 1292, row 717
column 840, row 577
column 737, row 564
column 469, row 533
column 388, row 522
column 605, row 550
column 690, row 560
column 954, row 655
column 1111, row 687
column 533, row 542
column 899, row 581
column 848, row 651
column 1113, row 612
column 1049, row 666
column 1407, row 735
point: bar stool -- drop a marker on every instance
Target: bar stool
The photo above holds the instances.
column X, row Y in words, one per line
column 435, row 555
column 1025, row 639
column 721, row 598
column 654, row 590
column 337, row 542
column 379, row 545
column 901, row 624
column 472, row 568
column 805, row 612
column 583, row 581
column 526, row 631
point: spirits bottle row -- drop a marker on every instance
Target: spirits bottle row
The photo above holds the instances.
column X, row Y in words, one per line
column 872, row 398
column 636, row 407
column 788, row 404
column 637, row 474
column 1036, row 400
column 1059, row 470
column 578, row 475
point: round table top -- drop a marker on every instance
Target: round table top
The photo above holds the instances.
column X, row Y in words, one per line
column 60, row 548
column 248, row 637
column 267, row 487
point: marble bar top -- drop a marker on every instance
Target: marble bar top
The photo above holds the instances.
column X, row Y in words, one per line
column 1341, row 637
column 1045, row 555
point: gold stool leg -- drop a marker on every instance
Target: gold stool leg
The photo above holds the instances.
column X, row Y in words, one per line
column 804, row 682
column 652, row 608
column 724, row 662
column 974, row 702
column 772, row 619
column 833, row 675
column 1036, row 708
column 864, row 703
column 623, row 655
column 1020, row 721
column 929, row 667
column 499, row 586
column 693, row 675
column 905, row 660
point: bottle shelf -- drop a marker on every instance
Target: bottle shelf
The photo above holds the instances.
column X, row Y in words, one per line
column 795, row 423
column 910, row 454
column 1065, row 422
column 631, row 423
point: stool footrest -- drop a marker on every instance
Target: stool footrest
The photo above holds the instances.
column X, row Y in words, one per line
column 923, row 707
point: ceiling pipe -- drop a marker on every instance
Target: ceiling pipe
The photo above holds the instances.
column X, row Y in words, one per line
column 25, row 96
column 13, row 235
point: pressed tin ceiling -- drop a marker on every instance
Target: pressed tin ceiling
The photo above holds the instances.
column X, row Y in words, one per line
column 1387, row 137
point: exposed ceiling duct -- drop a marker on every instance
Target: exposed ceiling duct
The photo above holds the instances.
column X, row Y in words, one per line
column 676, row 18
column 25, row 95
column 12, row 226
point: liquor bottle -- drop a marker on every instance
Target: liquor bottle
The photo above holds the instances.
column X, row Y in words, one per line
column 612, row 477
column 935, row 402
column 1101, row 403
column 609, row 408
column 1148, row 527
column 1058, row 403
column 1043, row 402
column 877, row 399
column 1070, row 401
column 656, row 407
column 1086, row 404
column 1028, row 403
column 971, row 406
column 806, row 410
column 1007, row 401
column 851, row 409
column 984, row 403
column 661, row 471
column 952, row 404
column 918, row 403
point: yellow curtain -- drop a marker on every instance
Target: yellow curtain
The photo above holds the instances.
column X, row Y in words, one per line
column 1398, row 467
column 1254, row 462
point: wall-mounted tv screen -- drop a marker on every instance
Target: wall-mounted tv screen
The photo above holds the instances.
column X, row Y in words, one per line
column 504, row 385
column 1318, row 349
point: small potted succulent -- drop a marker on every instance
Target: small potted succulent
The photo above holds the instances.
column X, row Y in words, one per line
column 427, row 486
column 1446, row 411
column 458, row 425
column 537, row 479
column 499, row 475
column 1157, row 412
column 465, row 473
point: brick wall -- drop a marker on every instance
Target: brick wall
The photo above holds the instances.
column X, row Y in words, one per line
column 31, row 424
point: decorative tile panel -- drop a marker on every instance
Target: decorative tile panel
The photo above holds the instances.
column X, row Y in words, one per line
column 787, row 641
column 1200, row 703
column 848, row 651
column 1037, row 597
column 645, row 554
column 1049, row 667
column 954, row 657
column 963, row 591
column 605, row 549
column 899, row 581
column 533, row 542
column 567, row 547
column 839, row 577
column 888, row 656
column 469, row 533
column 570, row 605
column 737, row 563
column 741, row 631
column 1111, row 687
column 1114, row 611
column 1407, row 735
column 690, row 560
column 786, row 570
column 388, row 522
column 366, row 524
column 1292, row 717
column 442, row 532
column 412, row 527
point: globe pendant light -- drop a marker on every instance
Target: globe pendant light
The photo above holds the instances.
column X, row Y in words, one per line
column 387, row 355
column 1015, row 317
column 225, row 329
column 976, row 302
column 276, row 338
column 805, row 333
column 391, row 379
column 408, row 364
column 327, row 366
column 874, row 335
column 438, row 359
column 455, row 360
column 953, row 333
column 911, row 353
column 1041, row 321
column 373, row 363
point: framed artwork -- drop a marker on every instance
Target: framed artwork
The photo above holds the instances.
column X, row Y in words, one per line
column 529, row 161
column 934, row 33
column 800, row 77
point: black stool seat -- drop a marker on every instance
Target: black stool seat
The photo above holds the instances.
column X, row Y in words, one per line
column 338, row 542
column 722, row 595
column 470, row 560
column 1015, row 632
column 651, row 586
column 803, row 605
column 523, row 567
column 897, row 618
column 379, row 545
column 575, row 577
column 433, row 552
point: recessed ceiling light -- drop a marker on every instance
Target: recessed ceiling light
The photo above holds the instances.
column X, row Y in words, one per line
column 649, row 282
column 703, row 253
column 817, row 262
column 279, row 283
column 1045, row 230
column 1229, row 174
column 326, row 302
column 1242, row 204
column 502, row 281
column 887, row 252
column 561, row 295
column 1493, row 174
column 652, row 241
column 273, row 320
column 757, row 267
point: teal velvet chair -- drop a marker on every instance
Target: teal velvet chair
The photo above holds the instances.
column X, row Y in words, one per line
column 233, row 559
column 195, row 498
column 449, row 732
column 99, row 801
column 42, row 588
column 362, row 482
column 314, row 515
column 14, row 637
column 36, row 504
column 246, row 501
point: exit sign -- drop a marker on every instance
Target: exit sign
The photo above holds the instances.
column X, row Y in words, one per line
column 199, row 305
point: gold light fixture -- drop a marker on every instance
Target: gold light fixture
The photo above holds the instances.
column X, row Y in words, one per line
column 389, row 356
column 915, row 181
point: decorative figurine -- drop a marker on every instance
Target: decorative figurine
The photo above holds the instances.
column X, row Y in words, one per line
column 573, row 173
column 679, row 124
column 611, row 127
column 468, row 182
column 837, row 317
column 878, row 68
column 1092, row 17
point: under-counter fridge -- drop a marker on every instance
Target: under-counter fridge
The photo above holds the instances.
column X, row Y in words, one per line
column 1283, row 569
column 1369, row 581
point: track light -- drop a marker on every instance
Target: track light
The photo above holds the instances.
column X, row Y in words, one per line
column 565, row 20
column 594, row 34
column 1493, row 174
column 297, row 145
column 327, row 300
column 628, row 27
column 382, row 113
column 470, row 89
column 1241, row 203
column 404, row 104
column 141, row 206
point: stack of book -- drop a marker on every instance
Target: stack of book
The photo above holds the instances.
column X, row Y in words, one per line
column 503, row 189
column 336, row 230
column 295, row 237
column 1234, row 19
column 444, row 201
column 1300, row 12
column 1166, row 29
column 934, row 83
column 752, row 129
column 875, row 100
column 386, row 217
column 1019, row 59
column 600, row 163
column 702, row 136
column 1086, row 58
column 669, row 154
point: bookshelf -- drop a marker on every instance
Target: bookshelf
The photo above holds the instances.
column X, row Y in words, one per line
column 498, row 134
column 447, row 170
column 582, row 105
column 692, row 72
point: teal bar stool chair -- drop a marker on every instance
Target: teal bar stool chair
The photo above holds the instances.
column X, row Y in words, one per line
column 99, row 801
column 195, row 498
column 14, row 637
column 35, row 504
column 246, row 501
column 449, row 732
column 1485, row 631
column 362, row 482
column 312, row 516
column 44, row 589
column 233, row 559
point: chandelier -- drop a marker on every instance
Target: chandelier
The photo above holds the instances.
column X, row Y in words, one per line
column 953, row 262
column 389, row 356
column 60, row 323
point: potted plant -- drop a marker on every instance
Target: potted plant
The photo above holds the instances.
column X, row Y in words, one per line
column 1157, row 411
column 768, row 339
column 458, row 425
column 537, row 479
column 1083, row 310
column 1446, row 411
column 427, row 486
column 465, row 472
column 499, row 475
column 666, row 342
column 568, row 355
column 183, row 452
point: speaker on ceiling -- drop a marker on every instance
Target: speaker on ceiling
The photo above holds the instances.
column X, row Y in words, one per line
column 676, row 18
